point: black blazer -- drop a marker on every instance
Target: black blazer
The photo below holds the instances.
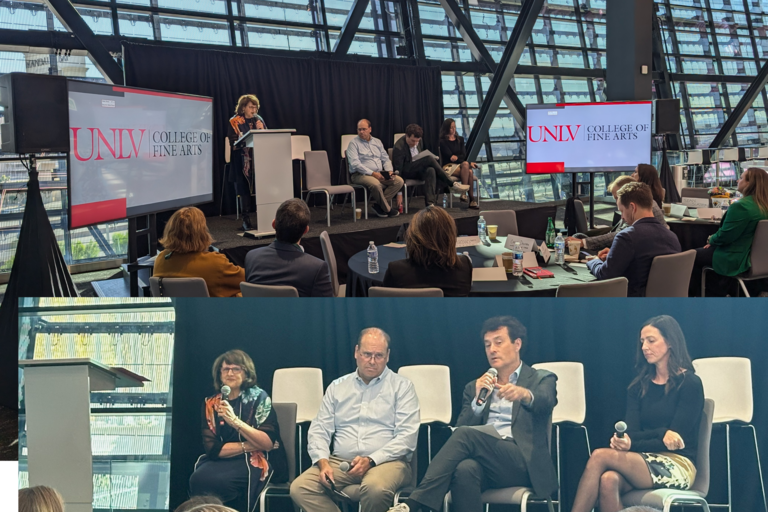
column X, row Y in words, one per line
column 530, row 425
column 285, row 264
column 401, row 155
column 455, row 282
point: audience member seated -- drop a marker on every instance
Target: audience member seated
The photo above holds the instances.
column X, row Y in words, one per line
column 369, row 166
column 665, row 402
column 453, row 158
column 40, row 499
column 500, row 441
column 376, row 439
column 198, row 501
column 187, row 240
column 728, row 250
column 430, row 247
column 426, row 168
column 284, row 262
column 633, row 249
column 599, row 242
column 646, row 173
column 241, row 436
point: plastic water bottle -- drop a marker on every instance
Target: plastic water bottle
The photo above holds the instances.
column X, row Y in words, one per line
column 373, row 259
column 445, row 201
column 517, row 261
column 481, row 229
column 559, row 249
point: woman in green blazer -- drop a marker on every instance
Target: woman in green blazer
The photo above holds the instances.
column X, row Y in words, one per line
column 727, row 251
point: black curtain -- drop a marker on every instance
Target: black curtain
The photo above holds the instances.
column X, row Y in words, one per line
column 665, row 175
column 320, row 98
column 38, row 270
column 601, row 333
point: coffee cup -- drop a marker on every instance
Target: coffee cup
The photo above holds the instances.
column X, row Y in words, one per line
column 358, row 213
column 508, row 260
column 492, row 230
column 574, row 247
column 667, row 208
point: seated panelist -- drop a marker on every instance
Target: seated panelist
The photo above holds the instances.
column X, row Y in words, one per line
column 372, row 417
column 241, row 436
column 503, row 430
column 665, row 402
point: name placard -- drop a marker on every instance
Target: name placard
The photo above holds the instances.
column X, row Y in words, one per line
column 526, row 244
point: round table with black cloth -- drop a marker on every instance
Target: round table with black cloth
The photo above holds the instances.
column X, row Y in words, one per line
column 359, row 279
column 692, row 234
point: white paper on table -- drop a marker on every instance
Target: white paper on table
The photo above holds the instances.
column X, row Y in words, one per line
column 467, row 241
column 423, row 154
column 526, row 244
column 395, row 245
column 489, row 274
column 708, row 213
column 544, row 250
column 529, row 260
column 695, row 202
column 678, row 211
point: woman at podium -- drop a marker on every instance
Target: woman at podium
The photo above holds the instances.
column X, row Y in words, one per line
column 241, row 436
column 246, row 118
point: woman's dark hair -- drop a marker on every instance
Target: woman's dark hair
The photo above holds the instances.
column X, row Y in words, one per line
column 679, row 362
column 647, row 174
column 445, row 128
column 431, row 239
column 242, row 360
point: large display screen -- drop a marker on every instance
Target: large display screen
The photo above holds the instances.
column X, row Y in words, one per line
column 587, row 137
column 135, row 151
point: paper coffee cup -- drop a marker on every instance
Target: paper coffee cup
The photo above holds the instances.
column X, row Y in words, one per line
column 358, row 213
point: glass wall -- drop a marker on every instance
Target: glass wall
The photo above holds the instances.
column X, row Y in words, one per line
column 130, row 427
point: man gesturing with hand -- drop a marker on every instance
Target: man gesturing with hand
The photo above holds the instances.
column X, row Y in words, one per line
column 501, row 441
column 372, row 415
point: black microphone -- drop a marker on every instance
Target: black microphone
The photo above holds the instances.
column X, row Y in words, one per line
column 483, row 396
column 620, row 427
column 225, row 390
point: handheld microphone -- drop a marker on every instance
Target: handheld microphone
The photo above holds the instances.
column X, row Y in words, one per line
column 483, row 396
column 344, row 466
column 225, row 391
column 620, row 427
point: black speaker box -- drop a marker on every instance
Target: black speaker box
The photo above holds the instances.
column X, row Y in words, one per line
column 667, row 116
column 36, row 113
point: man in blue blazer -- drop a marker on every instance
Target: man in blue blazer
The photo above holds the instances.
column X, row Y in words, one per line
column 633, row 249
column 284, row 262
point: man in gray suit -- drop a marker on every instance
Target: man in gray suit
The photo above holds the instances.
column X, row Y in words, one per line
column 426, row 168
column 284, row 262
column 501, row 441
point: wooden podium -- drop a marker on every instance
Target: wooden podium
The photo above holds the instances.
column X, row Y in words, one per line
column 272, row 175
column 58, row 404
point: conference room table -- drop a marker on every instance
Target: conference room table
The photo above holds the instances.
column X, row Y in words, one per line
column 692, row 233
column 359, row 279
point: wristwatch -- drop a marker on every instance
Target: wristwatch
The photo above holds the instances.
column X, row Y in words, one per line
column 371, row 462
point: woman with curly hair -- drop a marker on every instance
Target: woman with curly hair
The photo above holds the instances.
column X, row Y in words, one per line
column 241, row 437
column 665, row 402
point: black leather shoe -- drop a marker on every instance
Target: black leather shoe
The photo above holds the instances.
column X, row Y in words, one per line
column 247, row 223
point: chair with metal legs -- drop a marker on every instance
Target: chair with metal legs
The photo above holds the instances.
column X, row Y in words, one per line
column 571, row 408
column 728, row 381
column 304, row 387
column 319, row 181
column 433, row 387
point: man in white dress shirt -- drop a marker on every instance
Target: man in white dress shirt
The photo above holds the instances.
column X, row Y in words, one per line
column 372, row 416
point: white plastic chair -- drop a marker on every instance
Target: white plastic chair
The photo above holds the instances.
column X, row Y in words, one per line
column 728, row 381
column 571, row 405
column 304, row 387
column 433, row 388
column 300, row 144
column 345, row 140
column 397, row 137
column 666, row 498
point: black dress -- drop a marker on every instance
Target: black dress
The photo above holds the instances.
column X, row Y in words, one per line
column 241, row 156
column 449, row 148
column 243, row 476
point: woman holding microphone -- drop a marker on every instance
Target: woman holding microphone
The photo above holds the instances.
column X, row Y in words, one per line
column 241, row 436
column 664, row 406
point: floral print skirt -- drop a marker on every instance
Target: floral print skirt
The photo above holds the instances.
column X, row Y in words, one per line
column 670, row 470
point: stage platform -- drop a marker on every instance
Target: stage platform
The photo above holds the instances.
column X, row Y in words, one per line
column 348, row 237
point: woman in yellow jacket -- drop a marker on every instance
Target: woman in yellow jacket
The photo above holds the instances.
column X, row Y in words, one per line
column 186, row 240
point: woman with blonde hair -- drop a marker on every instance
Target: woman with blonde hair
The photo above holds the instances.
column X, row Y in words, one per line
column 40, row 499
column 430, row 246
column 728, row 250
column 186, row 241
column 241, row 436
column 246, row 118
